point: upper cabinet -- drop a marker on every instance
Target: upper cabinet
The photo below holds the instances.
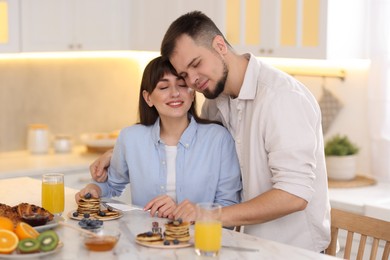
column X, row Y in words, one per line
column 9, row 26
column 150, row 19
column 318, row 29
column 74, row 25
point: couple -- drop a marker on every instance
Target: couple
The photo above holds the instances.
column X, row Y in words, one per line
column 276, row 125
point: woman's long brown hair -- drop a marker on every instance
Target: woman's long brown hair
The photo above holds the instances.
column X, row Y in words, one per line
column 153, row 72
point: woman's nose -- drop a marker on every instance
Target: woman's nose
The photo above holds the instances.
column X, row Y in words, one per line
column 175, row 92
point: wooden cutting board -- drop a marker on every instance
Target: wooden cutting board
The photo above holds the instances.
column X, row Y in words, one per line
column 359, row 181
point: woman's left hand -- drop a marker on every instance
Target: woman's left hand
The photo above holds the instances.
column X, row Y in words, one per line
column 186, row 210
column 163, row 205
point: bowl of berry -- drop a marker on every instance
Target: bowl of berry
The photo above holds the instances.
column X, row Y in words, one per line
column 103, row 240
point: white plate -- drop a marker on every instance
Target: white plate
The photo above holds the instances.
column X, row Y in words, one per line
column 98, row 140
column 15, row 255
column 48, row 225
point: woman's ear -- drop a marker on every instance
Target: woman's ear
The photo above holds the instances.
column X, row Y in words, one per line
column 146, row 96
column 219, row 44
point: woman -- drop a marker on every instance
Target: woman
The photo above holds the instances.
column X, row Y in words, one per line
column 172, row 155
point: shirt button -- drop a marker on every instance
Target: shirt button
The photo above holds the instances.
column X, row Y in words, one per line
column 238, row 141
column 163, row 162
column 162, row 187
column 187, row 145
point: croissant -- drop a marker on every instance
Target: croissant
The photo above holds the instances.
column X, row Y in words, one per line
column 16, row 213
column 30, row 209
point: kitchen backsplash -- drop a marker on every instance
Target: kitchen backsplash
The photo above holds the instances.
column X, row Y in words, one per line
column 70, row 95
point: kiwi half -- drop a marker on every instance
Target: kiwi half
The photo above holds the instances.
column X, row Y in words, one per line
column 28, row 245
column 48, row 240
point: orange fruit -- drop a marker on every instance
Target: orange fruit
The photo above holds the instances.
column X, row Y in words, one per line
column 24, row 230
column 6, row 223
column 8, row 241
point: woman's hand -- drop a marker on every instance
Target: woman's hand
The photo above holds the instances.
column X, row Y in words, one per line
column 98, row 168
column 163, row 205
column 186, row 210
column 91, row 188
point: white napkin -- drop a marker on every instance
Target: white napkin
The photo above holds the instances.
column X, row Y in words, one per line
column 122, row 207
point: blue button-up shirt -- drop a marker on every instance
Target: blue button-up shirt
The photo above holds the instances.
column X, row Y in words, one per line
column 207, row 168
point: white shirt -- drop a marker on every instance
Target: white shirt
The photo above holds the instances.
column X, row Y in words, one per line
column 279, row 144
column 171, row 152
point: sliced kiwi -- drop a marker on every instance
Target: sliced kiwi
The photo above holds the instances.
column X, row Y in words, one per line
column 28, row 245
column 48, row 240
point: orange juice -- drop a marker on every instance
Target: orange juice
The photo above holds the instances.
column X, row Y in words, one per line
column 208, row 236
column 53, row 197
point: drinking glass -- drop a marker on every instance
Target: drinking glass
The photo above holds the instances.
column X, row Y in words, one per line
column 53, row 193
column 208, row 229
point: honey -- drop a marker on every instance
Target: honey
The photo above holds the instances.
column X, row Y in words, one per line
column 104, row 243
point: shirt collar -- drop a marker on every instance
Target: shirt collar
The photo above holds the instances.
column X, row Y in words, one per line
column 248, row 89
column 186, row 138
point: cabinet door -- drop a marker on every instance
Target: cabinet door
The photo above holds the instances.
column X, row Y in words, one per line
column 64, row 25
column 101, row 24
column 46, row 25
column 149, row 23
column 9, row 26
column 280, row 28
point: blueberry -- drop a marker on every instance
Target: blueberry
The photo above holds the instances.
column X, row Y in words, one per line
column 86, row 215
column 75, row 214
column 149, row 233
column 102, row 213
column 180, row 220
column 176, row 242
column 166, row 243
column 88, row 195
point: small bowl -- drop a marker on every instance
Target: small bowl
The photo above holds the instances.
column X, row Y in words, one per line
column 35, row 219
column 105, row 240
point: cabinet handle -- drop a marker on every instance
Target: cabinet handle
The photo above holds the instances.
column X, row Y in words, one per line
column 79, row 46
column 70, row 46
column 270, row 51
column 261, row 50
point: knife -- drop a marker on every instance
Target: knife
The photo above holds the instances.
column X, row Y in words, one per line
column 238, row 248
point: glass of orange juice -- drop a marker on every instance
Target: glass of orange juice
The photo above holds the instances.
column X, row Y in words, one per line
column 53, row 193
column 208, row 229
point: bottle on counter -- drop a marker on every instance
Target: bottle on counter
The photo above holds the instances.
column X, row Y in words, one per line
column 38, row 138
column 62, row 143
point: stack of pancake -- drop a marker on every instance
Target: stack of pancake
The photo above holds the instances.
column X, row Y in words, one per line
column 88, row 206
column 177, row 230
column 150, row 238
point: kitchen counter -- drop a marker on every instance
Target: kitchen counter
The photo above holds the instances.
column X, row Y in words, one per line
column 23, row 163
column 370, row 200
column 139, row 221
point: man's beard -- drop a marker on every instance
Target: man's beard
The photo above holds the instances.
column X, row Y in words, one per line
column 219, row 88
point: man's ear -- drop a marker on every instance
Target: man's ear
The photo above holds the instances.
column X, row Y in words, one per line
column 219, row 44
column 146, row 97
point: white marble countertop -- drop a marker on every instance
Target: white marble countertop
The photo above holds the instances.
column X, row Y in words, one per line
column 23, row 163
column 138, row 221
column 370, row 200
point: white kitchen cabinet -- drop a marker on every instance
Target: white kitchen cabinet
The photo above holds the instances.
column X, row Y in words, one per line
column 297, row 28
column 9, row 26
column 68, row 25
column 150, row 19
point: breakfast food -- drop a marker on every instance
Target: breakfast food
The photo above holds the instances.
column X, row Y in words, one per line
column 177, row 231
column 28, row 246
column 24, row 239
column 150, row 237
column 48, row 240
column 90, row 207
column 16, row 213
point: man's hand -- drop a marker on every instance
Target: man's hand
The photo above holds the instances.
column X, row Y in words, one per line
column 91, row 188
column 186, row 210
column 163, row 205
column 98, row 168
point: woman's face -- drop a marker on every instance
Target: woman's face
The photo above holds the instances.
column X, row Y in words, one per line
column 171, row 97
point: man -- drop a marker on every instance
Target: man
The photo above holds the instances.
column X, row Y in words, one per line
column 276, row 124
